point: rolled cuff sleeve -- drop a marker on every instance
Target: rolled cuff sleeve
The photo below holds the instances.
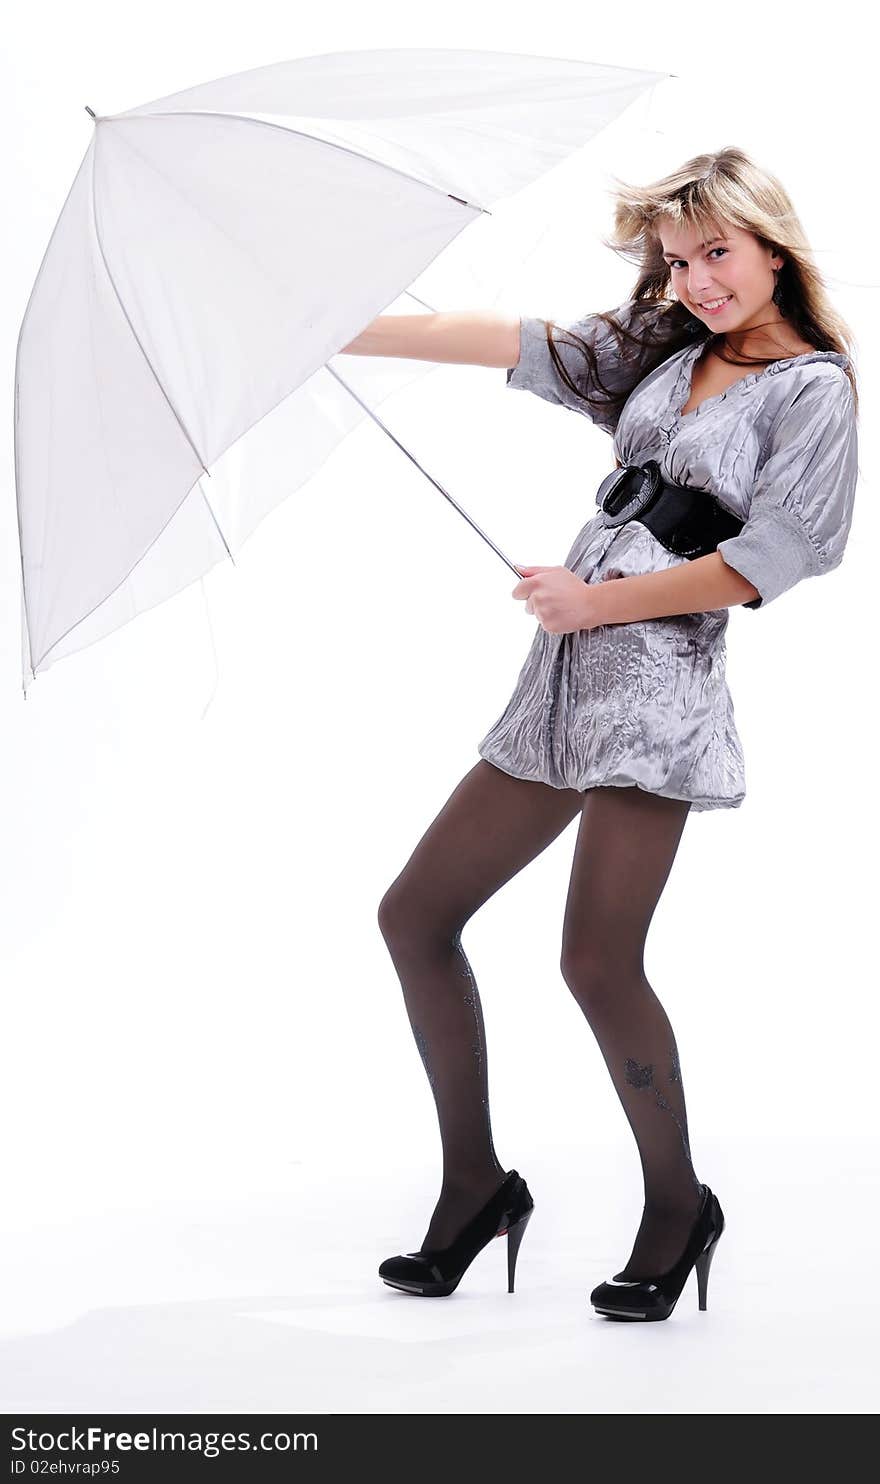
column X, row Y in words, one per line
column 801, row 506
column 773, row 552
column 536, row 371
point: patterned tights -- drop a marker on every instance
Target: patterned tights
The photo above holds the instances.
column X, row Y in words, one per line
column 489, row 829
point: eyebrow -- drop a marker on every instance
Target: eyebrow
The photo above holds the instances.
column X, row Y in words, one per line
column 705, row 244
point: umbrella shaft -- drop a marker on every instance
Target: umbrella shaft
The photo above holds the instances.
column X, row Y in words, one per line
column 435, row 482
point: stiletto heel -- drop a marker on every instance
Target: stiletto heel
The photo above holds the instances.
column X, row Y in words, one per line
column 514, row 1237
column 655, row 1298
column 437, row 1272
column 704, row 1262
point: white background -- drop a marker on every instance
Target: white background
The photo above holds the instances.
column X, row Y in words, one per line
column 216, row 1123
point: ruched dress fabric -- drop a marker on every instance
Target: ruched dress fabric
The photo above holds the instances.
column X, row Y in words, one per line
column 647, row 704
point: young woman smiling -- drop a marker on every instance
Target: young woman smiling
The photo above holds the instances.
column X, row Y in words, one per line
column 740, row 423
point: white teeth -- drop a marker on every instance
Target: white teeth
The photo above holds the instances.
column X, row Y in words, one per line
column 713, row 303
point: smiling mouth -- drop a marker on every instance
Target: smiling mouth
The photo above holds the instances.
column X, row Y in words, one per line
column 714, row 303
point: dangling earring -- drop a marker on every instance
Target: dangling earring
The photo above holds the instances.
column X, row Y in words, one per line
column 778, row 296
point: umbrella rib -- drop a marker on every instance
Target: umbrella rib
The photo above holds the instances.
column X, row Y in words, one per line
column 134, row 332
column 125, row 577
column 243, row 118
column 205, row 470
column 216, row 522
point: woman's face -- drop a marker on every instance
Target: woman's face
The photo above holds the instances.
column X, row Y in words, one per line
column 735, row 266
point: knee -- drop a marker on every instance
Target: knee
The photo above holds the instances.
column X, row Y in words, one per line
column 595, row 977
column 393, row 913
column 410, row 923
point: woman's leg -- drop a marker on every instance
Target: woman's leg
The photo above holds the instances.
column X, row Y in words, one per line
column 491, row 826
column 627, row 840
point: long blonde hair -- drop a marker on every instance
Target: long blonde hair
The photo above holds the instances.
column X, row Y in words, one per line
column 725, row 187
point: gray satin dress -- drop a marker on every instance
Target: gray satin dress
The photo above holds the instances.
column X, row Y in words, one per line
column 646, row 704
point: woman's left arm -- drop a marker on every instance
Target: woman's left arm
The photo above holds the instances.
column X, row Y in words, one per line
column 798, row 521
column 704, row 583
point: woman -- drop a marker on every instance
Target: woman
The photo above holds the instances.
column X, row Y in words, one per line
column 725, row 367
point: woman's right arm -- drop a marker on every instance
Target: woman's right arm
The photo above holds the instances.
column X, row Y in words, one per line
column 477, row 337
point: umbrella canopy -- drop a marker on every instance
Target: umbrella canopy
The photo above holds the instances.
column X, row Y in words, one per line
column 218, row 247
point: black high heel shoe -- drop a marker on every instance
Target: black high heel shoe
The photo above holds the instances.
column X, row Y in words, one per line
column 436, row 1272
column 655, row 1298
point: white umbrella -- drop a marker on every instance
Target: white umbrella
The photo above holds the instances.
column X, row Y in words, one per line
column 175, row 374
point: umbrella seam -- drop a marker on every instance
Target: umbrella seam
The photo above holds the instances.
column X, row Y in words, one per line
column 134, row 332
column 136, row 563
column 244, row 118
column 17, row 410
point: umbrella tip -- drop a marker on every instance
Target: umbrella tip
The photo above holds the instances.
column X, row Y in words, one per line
column 89, row 110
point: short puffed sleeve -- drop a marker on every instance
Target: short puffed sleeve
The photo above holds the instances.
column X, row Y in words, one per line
column 535, row 371
column 802, row 499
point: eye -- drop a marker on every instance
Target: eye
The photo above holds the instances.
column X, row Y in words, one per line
column 675, row 261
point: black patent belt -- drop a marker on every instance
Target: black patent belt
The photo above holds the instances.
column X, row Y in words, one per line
column 687, row 522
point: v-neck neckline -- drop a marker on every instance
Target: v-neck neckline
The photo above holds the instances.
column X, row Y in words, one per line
column 684, row 380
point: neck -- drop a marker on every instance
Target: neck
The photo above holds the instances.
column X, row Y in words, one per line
column 732, row 350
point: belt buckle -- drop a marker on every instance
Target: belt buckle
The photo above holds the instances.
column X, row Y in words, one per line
column 626, row 493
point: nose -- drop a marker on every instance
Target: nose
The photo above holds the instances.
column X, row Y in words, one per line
column 699, row 292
